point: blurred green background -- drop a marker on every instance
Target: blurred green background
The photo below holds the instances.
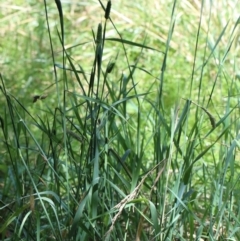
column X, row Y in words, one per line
column 26, row 62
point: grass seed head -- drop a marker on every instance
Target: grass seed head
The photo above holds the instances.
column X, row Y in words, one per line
column 99, row 34
column 110, row 67
column 108, row 9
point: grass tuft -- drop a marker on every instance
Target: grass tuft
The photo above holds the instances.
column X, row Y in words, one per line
column 121, row 122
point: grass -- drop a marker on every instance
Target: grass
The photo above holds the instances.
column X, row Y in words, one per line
column 115, row 128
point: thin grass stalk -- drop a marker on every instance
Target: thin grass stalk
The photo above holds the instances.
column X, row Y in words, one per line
column 107, row 15
column 52, row 52
column 65, row 90
column 164, row 63
column 196, row 47
column 205, row 51
column 160, row 105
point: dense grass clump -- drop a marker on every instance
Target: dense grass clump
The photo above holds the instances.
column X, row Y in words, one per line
column 119, row 121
